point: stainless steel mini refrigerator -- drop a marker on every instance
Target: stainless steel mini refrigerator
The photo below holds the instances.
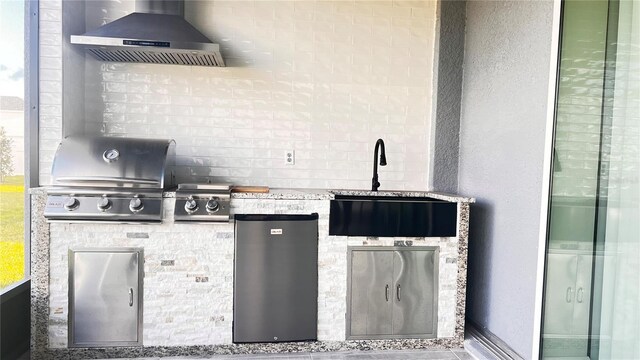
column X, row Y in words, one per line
column 275, row 278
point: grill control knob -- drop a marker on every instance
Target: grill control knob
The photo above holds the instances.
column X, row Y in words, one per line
column 71, row 204
column 191, row 205
column 136, row 204
column 212, row 205
column 104, row 204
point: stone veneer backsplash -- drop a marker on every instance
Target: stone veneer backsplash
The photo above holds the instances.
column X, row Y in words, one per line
column 323, row 78
column 188, row 284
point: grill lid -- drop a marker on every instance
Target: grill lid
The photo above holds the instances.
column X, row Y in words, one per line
column 114, row 162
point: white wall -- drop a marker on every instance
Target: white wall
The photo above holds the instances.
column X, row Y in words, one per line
column 50, row 91
column 73, row 84
column 502, row 147
column 325, row 79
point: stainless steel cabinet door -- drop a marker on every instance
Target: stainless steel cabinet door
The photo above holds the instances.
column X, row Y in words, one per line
column 560, row 293
column 393, row 292
column 104, row 297
column 371, row 293
column 415, row 293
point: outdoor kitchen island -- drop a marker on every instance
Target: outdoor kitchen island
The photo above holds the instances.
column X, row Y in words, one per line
column 188, row 278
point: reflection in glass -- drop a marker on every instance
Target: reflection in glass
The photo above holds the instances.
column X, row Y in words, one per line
column 592, row 289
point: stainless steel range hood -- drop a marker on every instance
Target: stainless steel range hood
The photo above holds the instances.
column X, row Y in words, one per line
column 156, row 33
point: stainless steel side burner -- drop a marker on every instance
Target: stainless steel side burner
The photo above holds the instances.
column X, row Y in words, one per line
column 203, row 203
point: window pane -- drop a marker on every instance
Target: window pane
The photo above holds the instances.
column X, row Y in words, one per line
column 12, row 167
column 593, row 256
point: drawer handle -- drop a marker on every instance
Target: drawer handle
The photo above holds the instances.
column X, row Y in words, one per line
column 130, row 296
column 569, row 294
column 398, row 292
column 580, row 295
column 386, row 292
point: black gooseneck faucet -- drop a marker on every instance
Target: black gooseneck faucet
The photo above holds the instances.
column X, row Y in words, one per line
column 383, row 161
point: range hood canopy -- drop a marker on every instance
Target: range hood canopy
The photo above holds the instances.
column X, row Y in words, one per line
column 156, row 33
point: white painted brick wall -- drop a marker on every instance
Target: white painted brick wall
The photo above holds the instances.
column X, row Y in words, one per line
column 180, row 311
column 50, row 92
column 323, row 78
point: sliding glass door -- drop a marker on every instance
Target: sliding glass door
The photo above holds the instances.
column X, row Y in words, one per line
column 592, row 275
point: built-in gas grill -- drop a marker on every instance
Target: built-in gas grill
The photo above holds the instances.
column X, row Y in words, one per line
column 110, row 179
column 203, row 203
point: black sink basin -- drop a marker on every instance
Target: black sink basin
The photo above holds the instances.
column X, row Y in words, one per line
column 391, row 216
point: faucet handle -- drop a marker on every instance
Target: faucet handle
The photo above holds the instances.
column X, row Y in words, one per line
column 375, row 184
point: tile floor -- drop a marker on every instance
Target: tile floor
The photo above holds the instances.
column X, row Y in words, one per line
column 455, row 354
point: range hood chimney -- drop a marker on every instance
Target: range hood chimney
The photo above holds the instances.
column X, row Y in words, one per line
column 156, row 33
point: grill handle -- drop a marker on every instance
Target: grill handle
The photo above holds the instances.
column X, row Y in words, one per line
column 107, row 178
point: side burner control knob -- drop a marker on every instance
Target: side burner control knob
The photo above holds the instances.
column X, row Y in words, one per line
column 71, row 204
column 191, row 206
column 212, row 205
column 104, row 204
column 136, row 204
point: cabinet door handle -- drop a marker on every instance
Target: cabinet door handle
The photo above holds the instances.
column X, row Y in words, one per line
column 130, row 296
column 398, row 292
column 569, row 294
column 386, row 292
column 580, row 295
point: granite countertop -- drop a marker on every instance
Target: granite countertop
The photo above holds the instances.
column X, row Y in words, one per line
column 38, row 191
column 405, row 193
column 323, row 194
column 287, row 194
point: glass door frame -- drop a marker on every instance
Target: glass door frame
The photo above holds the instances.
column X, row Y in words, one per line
column 545, row 202
column 32, row 115
column 550, row 158
column 551, row 163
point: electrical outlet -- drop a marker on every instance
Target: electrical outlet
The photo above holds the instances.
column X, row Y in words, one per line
column 289, row 157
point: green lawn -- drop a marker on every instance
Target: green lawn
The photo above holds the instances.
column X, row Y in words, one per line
column 11, row 230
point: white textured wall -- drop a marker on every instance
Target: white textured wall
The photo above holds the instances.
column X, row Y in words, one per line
column 502, row 143
column 325, row 79
column 445, row 129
